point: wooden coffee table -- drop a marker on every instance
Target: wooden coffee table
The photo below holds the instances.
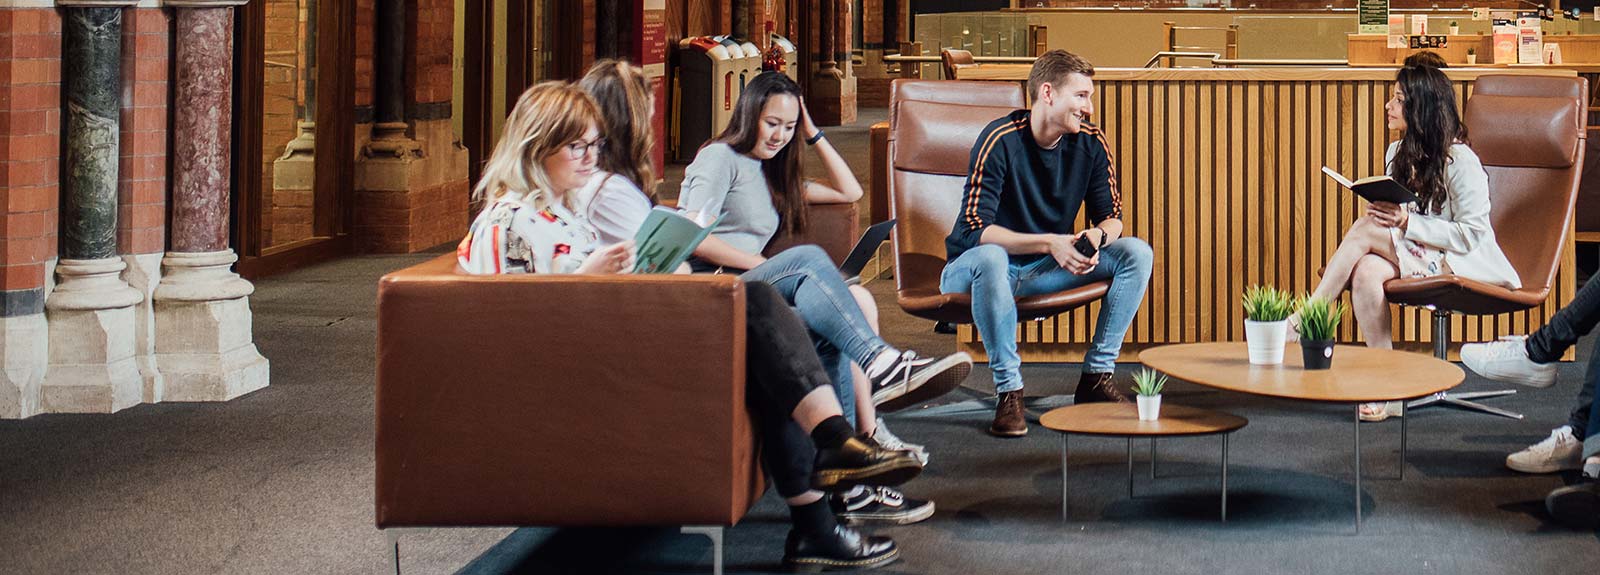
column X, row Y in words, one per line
column 1359, row 375
column 1122, row 420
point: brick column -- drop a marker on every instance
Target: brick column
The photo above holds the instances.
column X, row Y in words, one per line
column 411, row 178
column 30, row 123
column 91, row 310
column 833, row 87
column 204, row 344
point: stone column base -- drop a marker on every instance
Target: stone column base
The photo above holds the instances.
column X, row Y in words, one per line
column 200, row 354
column 24, row 353
column 204, row 346
column 91, row 362
column 91, row 317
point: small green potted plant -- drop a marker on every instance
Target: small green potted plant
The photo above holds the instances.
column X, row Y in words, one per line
column 1454, row 29
column 1472, row 56
column 1319, row 323
column 1266, row 323
column 1147, row 384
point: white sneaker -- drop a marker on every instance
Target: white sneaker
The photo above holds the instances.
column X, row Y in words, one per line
column 1558, row 452
column 888, row 440
column 1507, row 360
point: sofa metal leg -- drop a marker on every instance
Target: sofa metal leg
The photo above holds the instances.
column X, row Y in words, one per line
column 714, row 533
column 392, row 550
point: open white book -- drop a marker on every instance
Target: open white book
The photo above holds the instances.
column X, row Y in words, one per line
column 1374, row 188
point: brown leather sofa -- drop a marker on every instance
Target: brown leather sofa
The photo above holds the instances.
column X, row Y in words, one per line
column 523, row 400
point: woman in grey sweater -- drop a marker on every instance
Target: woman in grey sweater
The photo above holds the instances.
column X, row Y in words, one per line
column 750, row 176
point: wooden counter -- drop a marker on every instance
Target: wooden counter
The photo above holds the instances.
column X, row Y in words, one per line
column 1219, row 171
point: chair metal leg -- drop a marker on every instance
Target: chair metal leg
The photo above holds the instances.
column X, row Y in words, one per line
column 1402, row 441
column 714, row 533
column 1441, row 346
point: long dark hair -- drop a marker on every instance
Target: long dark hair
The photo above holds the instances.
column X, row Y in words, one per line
column 782, row 170
column 623, row 94
column 1432, row 125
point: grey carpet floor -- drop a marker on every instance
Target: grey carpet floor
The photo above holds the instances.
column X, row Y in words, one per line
column 280, row 481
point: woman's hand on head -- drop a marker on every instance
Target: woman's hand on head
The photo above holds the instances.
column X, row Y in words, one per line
column 612, row 259
column 808, row 128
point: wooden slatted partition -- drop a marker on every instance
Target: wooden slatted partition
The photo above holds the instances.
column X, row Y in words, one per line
column 1220, row 172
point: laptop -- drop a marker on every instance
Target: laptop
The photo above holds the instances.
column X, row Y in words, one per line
column 865, row 248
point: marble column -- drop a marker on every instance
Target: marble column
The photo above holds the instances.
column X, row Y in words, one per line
column 204, row 345
column 90, row 311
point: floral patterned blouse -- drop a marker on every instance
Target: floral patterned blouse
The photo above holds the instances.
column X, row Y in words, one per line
column 510, row 236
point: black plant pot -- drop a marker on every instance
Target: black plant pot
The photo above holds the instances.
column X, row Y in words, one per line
column 1317, row 354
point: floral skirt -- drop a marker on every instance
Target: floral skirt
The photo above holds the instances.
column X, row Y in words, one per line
column 1417, row 260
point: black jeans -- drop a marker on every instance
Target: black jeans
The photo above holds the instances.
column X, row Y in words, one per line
column 781, row 369
column 1574, row 321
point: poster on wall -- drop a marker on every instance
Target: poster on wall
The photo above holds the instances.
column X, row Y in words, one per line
column 1374, row 16
column 1505, row 44
column 1530, row 41
column 1396, row 31
column 650, row 51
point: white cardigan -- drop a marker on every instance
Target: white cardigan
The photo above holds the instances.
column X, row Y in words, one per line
column 1462, row 227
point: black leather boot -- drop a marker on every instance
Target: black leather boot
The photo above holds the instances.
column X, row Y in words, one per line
column 839, row 548
column 861, row 461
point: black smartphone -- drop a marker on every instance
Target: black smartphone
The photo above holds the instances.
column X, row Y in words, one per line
column 1085, row 247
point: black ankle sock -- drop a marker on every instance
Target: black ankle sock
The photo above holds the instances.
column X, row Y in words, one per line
column 814, row 517
column 832, row 432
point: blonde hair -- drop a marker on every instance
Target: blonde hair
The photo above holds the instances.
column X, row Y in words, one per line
column 546, row 118
column 622, row 92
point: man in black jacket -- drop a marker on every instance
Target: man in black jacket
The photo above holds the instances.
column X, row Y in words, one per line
column 1031, row 171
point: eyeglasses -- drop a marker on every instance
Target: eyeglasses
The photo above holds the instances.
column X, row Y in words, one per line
column 577, row 150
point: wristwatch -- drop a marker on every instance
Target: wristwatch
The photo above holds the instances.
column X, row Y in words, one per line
column 812, row 141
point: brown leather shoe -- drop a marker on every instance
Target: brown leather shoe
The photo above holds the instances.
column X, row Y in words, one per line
column 1009, row 418
column 1098, row 387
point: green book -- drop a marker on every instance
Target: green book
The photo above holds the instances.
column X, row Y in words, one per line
column 666, row 239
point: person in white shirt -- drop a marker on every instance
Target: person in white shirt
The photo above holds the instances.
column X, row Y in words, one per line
column 1446, row 232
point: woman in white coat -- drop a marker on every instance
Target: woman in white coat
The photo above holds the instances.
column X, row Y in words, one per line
column 1446, row 232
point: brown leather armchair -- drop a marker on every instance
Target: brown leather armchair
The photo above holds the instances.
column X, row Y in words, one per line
column 564, row 400
column 1529, row 133
column 933, row 125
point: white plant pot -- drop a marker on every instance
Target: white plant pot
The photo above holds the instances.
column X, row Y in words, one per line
column 1149, row 407
column 1472, row 59
column 1266, row 339
column 1455, row 30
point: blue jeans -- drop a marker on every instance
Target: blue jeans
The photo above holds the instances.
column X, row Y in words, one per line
column 995, row 280
column 808, row 279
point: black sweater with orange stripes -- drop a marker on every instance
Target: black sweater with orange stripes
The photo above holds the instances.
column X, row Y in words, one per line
column 1025, row 188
